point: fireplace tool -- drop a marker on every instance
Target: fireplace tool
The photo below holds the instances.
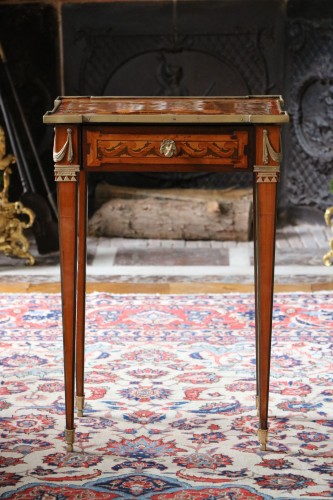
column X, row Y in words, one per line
column 44, row 228
column 12, row 240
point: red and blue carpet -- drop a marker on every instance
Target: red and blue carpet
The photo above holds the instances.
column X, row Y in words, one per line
column 170, row 400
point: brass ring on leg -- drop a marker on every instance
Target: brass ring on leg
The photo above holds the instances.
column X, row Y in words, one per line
column 69, row 438
column 262, row 437
column 79, row 405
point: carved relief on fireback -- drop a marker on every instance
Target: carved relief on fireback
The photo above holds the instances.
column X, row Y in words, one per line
column 309, row 96
column 226, row 64
column 315, row 114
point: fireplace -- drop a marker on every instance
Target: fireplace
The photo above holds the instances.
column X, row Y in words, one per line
column 185, row 47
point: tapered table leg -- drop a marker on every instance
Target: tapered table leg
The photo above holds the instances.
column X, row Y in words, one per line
column 67, row 203
column 265, row 193
column 256, row 308
column 266, row 199
column 81, row 291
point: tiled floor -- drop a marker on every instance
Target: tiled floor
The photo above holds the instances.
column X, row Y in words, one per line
column 299, row 251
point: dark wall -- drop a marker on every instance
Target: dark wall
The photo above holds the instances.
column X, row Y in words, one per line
column 29, row 37
column 222, row 47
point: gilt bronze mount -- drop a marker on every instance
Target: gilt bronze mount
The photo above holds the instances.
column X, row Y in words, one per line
column 12, row 240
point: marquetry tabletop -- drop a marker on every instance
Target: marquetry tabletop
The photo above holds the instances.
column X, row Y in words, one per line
column 250, row 109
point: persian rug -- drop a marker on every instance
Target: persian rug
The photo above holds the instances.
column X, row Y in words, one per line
column 170, row 399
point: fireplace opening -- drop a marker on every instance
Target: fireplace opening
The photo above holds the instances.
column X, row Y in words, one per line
column 183, row 47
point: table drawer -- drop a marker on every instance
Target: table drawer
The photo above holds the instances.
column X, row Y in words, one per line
column 106, row 146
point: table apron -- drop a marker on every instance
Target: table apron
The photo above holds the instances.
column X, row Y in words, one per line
column 141, row 148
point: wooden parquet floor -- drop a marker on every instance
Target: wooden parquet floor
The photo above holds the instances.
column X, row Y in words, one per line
column 162, row 288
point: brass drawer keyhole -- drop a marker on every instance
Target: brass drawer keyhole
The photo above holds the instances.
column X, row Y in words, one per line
column 168, row 148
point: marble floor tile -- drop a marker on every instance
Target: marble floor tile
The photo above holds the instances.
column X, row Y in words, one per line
column 172, row 257
column 299, row 252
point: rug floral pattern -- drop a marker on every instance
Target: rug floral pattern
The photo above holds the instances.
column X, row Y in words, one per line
column 170, row 400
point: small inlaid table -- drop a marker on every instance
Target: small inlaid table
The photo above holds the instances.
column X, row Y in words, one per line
column 163, row 134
